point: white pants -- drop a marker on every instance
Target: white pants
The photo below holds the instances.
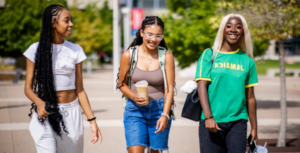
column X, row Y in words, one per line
column 47, row 141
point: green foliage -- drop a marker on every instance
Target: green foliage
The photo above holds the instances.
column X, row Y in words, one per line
column 260, row 46
column 188, row 29
column 191, row 27
column 276, row 19
column 263, row 66
column 21, row 23
column 93, row 28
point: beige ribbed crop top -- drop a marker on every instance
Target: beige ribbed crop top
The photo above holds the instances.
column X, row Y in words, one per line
column 155, row 81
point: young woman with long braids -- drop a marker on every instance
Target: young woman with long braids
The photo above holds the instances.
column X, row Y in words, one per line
column 54, row 85
column 147, row 126
column 226, row 77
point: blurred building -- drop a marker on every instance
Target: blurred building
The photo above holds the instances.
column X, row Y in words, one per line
column 291, row 48
column 2, row 2
column 151, row 7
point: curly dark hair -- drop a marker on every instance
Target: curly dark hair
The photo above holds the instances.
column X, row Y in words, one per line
column 149, row 20
column 43, row 82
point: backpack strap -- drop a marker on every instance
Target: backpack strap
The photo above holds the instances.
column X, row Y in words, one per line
column 212, row 60
column 162, row 59
column 133, row 60
column 161, row 56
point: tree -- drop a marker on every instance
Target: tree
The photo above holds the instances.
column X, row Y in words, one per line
column 20, row 25
column 92, row 28
column 277, row 20
column 191, row 27
column 188, row 29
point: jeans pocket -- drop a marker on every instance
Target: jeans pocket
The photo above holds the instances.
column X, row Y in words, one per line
column 130, row 107
column 160, row 105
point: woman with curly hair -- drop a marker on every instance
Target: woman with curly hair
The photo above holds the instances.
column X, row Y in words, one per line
column 147, row 124
column 54, row 85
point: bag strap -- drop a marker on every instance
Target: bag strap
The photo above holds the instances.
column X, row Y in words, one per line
column 133, row 60
column 162, row 57
column 133, row 52
column 212, row 53
column 212, row 60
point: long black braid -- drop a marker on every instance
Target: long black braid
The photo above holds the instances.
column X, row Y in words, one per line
column 43, row 82
column 149, row 20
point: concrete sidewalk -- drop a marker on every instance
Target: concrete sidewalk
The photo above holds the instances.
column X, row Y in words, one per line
column 107, row 106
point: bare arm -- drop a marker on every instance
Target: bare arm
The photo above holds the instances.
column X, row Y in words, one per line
column 251, row 106
column 210, row 124
column 124, row 67
column 29, row 92
column 85, row 105
column 170, row 76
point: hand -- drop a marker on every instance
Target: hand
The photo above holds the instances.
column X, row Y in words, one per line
column 162, row 124
column 254, row 136
column 139, row 100
column 212, row 125
column 41, row 110
column 96, row 134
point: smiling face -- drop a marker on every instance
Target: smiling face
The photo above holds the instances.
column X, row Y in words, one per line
column 233, row 30
column 152, row 36
column 63, row 25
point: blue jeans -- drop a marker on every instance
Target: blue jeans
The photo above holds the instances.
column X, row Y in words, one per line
column 232, row 138
column 140, row 125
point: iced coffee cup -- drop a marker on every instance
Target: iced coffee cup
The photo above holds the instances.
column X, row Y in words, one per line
column 142, row 89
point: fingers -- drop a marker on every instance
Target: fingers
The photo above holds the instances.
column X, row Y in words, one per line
column 252, row 140
column 217, row 127
column 93, row 139
column 141, row 103
column 213, row 129
column 141, row 100
column 161, row 129
column 157, row 124
column 43, row 114
column 254, row 137
column 161, row 125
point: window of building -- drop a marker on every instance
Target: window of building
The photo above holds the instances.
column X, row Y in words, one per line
column 291, row 46
column 149, row 4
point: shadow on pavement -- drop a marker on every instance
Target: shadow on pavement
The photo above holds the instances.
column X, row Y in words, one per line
column 14, row 106
column 275, row 104
column 97, row 111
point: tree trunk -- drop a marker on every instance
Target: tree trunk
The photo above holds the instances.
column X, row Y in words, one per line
column 282, row 131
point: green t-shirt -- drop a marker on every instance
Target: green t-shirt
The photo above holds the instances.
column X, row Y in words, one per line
column 229, row 75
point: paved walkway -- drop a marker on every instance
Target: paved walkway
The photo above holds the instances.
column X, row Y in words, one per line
column 107, row 106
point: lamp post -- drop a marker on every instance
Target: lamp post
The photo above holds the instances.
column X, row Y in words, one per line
column 116, row 42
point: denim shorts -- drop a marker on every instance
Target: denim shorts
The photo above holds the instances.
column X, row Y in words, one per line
column 140, row 125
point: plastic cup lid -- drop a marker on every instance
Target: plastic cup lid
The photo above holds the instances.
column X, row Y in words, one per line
column 142, row 83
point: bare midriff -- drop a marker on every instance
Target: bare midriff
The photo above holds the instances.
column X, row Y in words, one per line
column 66, row 96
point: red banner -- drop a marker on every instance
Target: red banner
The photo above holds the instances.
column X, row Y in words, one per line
column 137, row 16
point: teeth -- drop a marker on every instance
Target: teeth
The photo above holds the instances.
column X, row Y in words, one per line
column 232, row 36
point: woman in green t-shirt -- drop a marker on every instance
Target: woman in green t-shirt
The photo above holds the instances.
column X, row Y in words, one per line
column 225, row 78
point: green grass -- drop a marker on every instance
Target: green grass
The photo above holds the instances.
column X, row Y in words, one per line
column 262, row 66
